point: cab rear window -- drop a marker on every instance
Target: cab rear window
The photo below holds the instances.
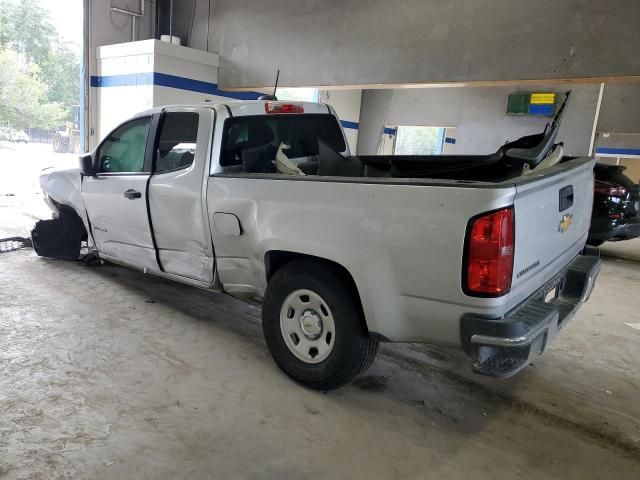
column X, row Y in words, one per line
column 297, row 136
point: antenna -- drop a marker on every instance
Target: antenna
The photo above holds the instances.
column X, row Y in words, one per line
column 275, row 87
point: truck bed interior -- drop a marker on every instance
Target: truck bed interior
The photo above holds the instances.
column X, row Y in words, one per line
column 508, row 162
column 313, row 144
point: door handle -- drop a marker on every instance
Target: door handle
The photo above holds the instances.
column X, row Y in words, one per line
column 132, row 194
column 566, row 198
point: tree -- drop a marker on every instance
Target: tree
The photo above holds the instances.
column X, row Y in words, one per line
column 417, row 140
column 29, row 30
column 23, row 99
column 26, row 30
column 61, row 73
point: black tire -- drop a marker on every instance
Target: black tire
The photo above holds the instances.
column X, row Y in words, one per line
column 353, row 349
column 59, row 146
column 59, row 238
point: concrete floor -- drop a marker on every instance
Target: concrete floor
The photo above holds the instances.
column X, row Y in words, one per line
column 108, row 373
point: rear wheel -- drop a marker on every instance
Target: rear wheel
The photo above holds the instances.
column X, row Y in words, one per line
column 313, row 326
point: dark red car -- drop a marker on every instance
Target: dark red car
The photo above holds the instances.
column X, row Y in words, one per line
column 616, row 206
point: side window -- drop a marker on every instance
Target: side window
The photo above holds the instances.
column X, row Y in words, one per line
column 177, row 141
column 124, row 149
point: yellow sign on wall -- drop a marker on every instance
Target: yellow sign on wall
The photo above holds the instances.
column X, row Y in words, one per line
column 543, row 98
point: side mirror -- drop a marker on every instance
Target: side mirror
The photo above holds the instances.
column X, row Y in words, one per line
column 87, row 166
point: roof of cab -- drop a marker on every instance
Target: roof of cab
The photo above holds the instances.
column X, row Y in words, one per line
column 241, row 108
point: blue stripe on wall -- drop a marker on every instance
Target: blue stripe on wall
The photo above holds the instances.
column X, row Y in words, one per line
column 133, row 79
column 348, row 124
column 183, row 83
column 390, row 131
column 171, row 81
column 618, row 151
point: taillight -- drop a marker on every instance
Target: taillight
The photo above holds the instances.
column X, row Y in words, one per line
column 489, row 254
column 283, row 108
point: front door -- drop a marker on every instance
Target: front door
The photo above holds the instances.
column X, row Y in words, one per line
column 116, row 198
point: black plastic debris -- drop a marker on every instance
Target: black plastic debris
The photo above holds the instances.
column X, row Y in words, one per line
column 12, row 244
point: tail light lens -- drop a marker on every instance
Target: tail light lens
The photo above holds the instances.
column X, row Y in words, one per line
column 283, row 108
column 489, row 254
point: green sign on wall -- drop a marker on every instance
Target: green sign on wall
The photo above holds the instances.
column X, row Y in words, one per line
column 540, row 103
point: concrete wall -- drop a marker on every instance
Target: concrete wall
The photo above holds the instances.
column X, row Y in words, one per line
column 620, row 110
column 619, row 127
column 134, row 64
column 103, row 27
column 479, row 115
column 355, row 42
column 633, row 169
column 347, row 104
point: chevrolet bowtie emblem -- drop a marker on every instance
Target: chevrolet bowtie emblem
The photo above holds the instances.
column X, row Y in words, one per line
column 565, row 223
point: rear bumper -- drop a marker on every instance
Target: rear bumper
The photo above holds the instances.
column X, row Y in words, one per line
column 503, row 347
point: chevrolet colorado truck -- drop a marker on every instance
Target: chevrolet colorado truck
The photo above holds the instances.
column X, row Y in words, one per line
column 263, row 200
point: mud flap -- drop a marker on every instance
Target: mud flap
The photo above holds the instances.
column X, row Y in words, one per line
column 58, row 238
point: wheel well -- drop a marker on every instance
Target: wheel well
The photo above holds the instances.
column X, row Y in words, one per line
column 276, row 259
column 68, row 212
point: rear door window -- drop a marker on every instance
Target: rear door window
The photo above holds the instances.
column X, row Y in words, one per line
column 177, row 141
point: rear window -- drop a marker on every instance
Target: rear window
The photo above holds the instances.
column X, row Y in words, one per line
column 297, row 136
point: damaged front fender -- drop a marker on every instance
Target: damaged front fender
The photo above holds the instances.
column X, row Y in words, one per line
column 63, row 187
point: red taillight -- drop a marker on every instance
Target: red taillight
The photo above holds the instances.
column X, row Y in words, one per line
column 489, row 254
column 283, row 108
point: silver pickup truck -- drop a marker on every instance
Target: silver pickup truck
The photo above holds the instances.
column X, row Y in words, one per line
column 262, row 200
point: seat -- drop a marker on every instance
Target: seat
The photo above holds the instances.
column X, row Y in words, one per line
column 258, row 134
column 332, row 164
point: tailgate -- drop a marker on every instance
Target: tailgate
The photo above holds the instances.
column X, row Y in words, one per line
column 552, row 218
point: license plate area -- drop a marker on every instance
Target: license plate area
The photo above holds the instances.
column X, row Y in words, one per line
column 551, row 294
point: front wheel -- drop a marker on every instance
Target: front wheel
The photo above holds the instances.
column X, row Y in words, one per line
column 58, row 144
column 59, row 238
column 313, row 326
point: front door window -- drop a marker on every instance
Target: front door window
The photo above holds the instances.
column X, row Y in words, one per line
column 123, row 151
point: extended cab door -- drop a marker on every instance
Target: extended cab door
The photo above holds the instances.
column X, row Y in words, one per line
column 177, row 193
column 116, row 198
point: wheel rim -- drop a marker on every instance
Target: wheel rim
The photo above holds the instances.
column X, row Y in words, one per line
column 307, row 326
